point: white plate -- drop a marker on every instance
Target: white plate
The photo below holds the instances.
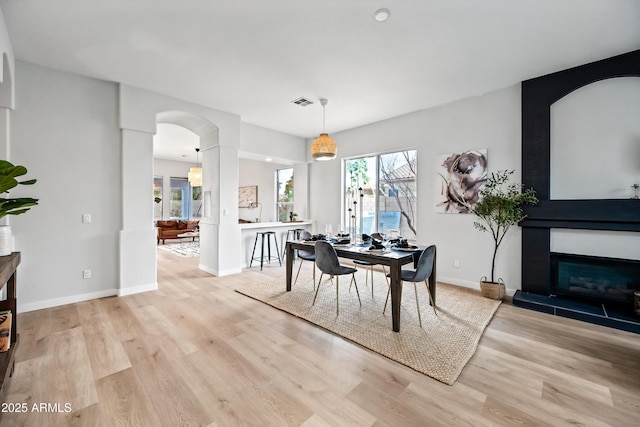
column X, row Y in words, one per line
column 411, row 249
column 374, row 251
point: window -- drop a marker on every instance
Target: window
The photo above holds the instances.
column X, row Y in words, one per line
column 178, row 205
column 284, row 196
column 381, row 190
column 157, row 197
column 181, row 206
column 195, row 209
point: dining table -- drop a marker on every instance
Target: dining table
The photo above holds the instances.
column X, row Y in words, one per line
column 394, row 258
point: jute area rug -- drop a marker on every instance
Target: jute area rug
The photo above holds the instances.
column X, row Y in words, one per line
column 183, row 249
column 440, row 349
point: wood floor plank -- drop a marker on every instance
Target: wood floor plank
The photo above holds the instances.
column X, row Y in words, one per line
column 195, row 352
column 34, row 331
column 124, row 322
column 103, row 344
column 172, row 400
column 122, row 401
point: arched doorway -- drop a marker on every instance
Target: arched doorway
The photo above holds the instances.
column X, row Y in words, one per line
column 219, row 134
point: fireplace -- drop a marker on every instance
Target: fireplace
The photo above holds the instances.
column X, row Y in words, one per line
column 538, row 290
column 609, row 281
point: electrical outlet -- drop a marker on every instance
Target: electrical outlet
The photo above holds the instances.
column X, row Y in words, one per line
column 456, row 263
column 86, row 218
column 86, row 274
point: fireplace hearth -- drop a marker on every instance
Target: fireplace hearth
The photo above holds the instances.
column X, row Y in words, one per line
column 597, row 290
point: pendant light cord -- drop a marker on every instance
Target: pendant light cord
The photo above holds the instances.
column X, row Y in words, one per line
column 324, row 117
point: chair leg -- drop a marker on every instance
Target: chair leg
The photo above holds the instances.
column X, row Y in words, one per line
column 353, row 279
column 430, row 299
column 371, row 281
column 254, row 251
column 386, row 301
column 317, row 289
column 415, row 288
column 262, row 253
column 385, row 275
column 337, row 294
column 314, row 275
column 275, row 240
column 297, row 274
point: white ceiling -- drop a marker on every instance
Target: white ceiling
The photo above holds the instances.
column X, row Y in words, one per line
column 253, row 57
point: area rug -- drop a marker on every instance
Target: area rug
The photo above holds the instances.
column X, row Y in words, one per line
column 183, row 249
column 440, row 349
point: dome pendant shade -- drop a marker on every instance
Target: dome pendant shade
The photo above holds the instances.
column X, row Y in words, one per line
column 324, row 148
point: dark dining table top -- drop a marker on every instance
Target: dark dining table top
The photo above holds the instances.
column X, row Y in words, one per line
column 362, row 251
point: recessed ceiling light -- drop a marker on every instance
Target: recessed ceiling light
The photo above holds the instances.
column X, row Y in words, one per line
column 268, row 159
column 382, row 15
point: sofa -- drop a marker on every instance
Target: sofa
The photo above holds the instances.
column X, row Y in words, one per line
column 169, row 229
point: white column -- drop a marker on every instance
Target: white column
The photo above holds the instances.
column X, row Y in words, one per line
column 219, row 229
column 138, row 235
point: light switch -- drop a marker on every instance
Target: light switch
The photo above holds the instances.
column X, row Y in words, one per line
column 86, row 218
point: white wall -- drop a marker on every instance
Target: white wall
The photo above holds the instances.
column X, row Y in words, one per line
column 64, row 130
column 595, row 141
column 491, row 121
column 595, row 154
column 277, row 145
column 262, row 174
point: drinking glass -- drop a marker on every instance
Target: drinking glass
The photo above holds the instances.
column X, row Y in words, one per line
column 328, row 230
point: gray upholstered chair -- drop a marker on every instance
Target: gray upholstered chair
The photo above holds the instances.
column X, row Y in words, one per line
column 306, row 256
column 328, row 263
column 369, row 265
column 421, row 273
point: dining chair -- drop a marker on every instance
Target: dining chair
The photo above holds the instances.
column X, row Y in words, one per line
column 328, row 263
column 369, row 265
column 369, row 271
column 306, row 256
column 421, row 273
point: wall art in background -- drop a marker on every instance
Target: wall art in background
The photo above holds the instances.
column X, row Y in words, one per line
column 461, row 176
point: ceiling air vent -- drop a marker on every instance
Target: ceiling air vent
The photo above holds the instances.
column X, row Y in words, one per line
column 303, row 102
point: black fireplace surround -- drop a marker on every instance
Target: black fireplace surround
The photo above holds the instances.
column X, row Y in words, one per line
column 538, row 290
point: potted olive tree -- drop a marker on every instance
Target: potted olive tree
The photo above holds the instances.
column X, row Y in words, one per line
column 499, row 208
column 12, row 205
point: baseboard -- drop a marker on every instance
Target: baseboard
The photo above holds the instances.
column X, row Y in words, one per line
column 137, row 289
column 219, row 273
column 24, row 308
column 468, row 284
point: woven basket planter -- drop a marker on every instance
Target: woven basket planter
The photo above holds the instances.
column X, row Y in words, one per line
column 493, row 290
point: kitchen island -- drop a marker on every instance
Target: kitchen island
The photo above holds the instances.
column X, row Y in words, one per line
column 248, row 235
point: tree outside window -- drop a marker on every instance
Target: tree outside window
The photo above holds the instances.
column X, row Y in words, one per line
column 157, row 197
column 284, row 196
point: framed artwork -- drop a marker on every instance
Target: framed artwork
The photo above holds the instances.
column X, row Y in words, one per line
column 461, row 176
column 247, row 196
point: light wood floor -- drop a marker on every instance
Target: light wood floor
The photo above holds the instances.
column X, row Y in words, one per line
column 197, row 353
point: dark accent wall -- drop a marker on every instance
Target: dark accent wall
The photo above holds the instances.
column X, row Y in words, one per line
column 612, row 214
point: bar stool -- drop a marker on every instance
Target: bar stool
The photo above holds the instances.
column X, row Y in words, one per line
column 295, row 233
column 268, row 235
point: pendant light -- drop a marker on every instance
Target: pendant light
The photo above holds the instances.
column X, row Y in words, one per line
column 323, row 147
column 195, row 174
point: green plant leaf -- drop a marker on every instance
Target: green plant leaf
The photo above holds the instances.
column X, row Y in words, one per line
column 19, row 205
